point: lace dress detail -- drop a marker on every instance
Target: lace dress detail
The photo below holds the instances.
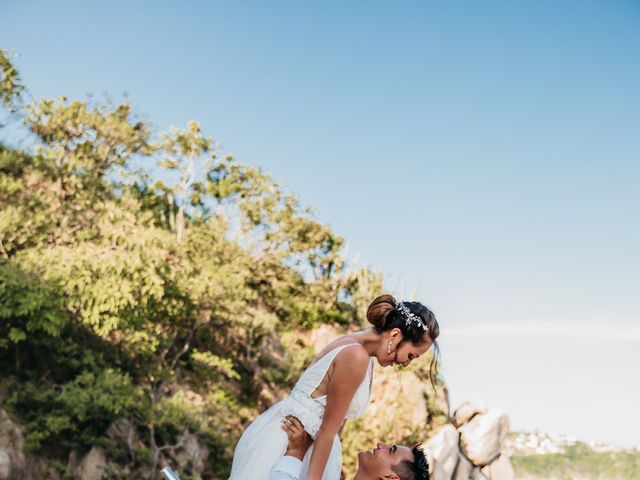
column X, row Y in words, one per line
column 263, row 442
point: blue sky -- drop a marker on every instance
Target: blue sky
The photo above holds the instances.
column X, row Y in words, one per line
column 484, row 153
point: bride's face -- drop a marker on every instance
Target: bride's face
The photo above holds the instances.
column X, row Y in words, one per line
column 402, row 353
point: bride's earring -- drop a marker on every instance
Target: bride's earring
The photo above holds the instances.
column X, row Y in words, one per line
column 389, row 348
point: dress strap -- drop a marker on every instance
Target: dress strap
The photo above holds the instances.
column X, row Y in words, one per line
column 316, row 372
column 336, row 350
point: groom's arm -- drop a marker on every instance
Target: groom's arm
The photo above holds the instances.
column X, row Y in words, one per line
column 289, row 467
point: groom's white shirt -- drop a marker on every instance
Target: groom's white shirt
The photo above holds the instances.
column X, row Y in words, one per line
column 287, row 468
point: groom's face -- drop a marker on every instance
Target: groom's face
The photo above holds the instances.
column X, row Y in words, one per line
column 378, row 462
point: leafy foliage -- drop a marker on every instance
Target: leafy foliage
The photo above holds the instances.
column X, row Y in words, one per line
column 151, row 277
column 11, row 86
column 579, row 461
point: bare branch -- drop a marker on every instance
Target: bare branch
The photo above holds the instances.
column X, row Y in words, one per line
column 186, row 346
column 4, row 251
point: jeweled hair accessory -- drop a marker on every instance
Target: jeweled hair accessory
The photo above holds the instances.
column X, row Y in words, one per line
column 410, row 317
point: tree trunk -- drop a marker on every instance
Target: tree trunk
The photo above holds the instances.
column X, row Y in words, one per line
column 180, row 224
column 172, row 218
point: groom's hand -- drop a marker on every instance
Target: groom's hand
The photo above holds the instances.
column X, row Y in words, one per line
column 299, row 439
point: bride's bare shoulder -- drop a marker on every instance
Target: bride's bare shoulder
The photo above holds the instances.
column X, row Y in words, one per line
column 357, row 350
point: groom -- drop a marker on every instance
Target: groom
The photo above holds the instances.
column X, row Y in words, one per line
column 384, row 462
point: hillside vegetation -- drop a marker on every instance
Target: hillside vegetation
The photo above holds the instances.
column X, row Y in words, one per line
column 150, row 277
column 578, row 462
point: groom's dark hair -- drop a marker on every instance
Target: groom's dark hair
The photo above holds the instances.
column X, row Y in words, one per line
column 416, row 470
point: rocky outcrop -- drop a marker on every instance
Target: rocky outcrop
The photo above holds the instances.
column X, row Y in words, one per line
column 12, row 460
column 443, row 446
column 5, row 465
column 475, row 450
column 484, row 436
column 463, row 468
column 92, row 466
column 193, row 454
column 123, row 432
column 466, row 412
column 14, row 464
column 501, row 468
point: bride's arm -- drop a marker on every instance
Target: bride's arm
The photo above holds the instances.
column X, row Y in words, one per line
column 349, row 371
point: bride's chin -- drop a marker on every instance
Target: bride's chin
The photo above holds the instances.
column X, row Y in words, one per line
column 385, row 362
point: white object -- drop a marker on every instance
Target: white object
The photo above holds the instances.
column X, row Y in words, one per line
column 169, row 474
column 263, row 443
column 287, row 468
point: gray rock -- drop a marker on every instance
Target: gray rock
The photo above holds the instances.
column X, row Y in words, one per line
column 193, row 453
column 92, row 465
column 12, row 443
column 501, row 469
column 444, row 452
column 11, row 437
column 122, row 432
column 37, row 468
column 5, row 465
column 13, row 463
column 73, row 461
column 476, row 474
column 466, row 412
column 463, row 469
column 484, row 437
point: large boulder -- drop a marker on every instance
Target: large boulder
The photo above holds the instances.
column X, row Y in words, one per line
column 443, row 451
column 12, row 460
column 37, row 468
column 463, row 469
column 14, row 465
column 5, row 465
column 484, row 436
column 466, row 412
column 193, row 453
column 476, row 474
column 73, row 462
column 501, row 469
column 122, row 432
column 486, row 472
column 92, row 466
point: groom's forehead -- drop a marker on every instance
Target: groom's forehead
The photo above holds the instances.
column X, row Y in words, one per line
column 404, row 453
column 406, row 450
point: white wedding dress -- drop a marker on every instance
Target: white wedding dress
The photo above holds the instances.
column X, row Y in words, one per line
column 264, row 442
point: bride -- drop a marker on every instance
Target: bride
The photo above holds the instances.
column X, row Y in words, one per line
column 336, row 387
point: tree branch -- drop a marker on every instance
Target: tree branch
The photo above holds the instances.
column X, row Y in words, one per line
column 4, row 251
column 186, row 346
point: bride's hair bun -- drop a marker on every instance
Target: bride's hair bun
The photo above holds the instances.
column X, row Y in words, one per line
column 379, row 310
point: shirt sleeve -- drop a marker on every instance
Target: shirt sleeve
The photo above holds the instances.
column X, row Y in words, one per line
column 287, row 468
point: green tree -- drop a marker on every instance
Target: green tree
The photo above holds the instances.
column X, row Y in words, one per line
column 11, row 87
column 152, row 278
